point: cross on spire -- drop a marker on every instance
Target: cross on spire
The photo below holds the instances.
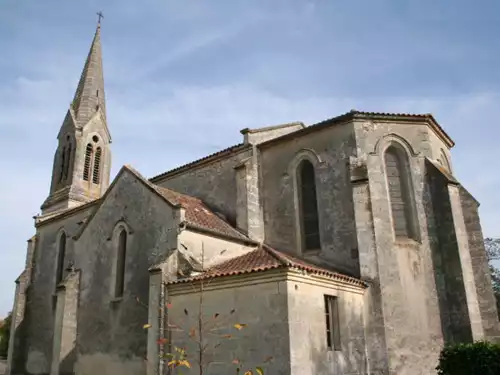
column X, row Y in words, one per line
column 100, row 16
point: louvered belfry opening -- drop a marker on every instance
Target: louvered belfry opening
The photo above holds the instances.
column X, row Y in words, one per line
column 97, row 164
column 88, row 158
column 399, row 193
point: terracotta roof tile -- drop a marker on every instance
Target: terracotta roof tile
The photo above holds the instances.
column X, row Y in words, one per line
column 266, row 258
column 199, row 216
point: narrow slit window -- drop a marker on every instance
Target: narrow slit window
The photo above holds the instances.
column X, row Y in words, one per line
column 63, row 164
column 308, row 206
column 86, row 166
column 97, row 164
column 332, row 323
column 120, row 264
column 68, row 161
column 61, row 253
column 399, row 193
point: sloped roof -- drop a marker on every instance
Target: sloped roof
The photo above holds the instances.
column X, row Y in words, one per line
column 57, row 215
column 199, row 216
column 380, row 116
column 442, row 170
column 206, row 159
column 266, row 258
column 273, row 127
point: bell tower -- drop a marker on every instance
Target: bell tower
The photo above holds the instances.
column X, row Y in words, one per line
column 82, row 160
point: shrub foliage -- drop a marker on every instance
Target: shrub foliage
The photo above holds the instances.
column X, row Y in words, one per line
column 479, row 358
column 4, row 336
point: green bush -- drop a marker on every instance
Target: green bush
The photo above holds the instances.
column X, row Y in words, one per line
column 4, row 336
column 479, row 358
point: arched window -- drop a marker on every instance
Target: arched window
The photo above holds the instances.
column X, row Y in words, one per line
column 97, row 163
column 68, row 161
column 86, row 165
column 444, row 161
column 308, row 206
column 61, row 253
column 398, row 182
column 120, row 263
column 63, row 164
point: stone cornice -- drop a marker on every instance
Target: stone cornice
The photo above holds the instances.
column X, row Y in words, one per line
column 274, row 276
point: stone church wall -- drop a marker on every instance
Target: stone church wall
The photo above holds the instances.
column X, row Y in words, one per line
column 306, row 316
column 332, row 146
column 214, row 183
column 437, row 149
column 260, row 301
column 215, row 250
column 486, row 298
column 406, row 285
column 41, row 304
column 454, row 314
column 111, row 339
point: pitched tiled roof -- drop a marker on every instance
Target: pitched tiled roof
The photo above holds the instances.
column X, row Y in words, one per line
column 266, row 258
column 199, row 216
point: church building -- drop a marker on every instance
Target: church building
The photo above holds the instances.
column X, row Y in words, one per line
column 346, row 247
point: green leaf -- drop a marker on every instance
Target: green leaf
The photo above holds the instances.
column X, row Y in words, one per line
column 259, row 370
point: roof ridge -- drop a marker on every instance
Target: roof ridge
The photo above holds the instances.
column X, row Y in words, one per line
column 179, row 193
column 274, row 253
column 355, row 114
column 271, row 127
column 228, row 150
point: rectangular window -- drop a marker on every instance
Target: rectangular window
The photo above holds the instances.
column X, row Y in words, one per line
column 332, row 323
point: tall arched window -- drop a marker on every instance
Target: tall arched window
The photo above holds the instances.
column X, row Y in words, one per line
column 68, row 161
column 88, row 159
column 400, row 197
column 308, row 206
column 120, row 263
column 61, row 253
column 97, row 163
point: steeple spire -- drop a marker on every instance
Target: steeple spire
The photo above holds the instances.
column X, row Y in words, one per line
column 89, row 96
column 82, row 161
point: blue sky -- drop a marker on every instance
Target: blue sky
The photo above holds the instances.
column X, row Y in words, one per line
column 183, row 77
